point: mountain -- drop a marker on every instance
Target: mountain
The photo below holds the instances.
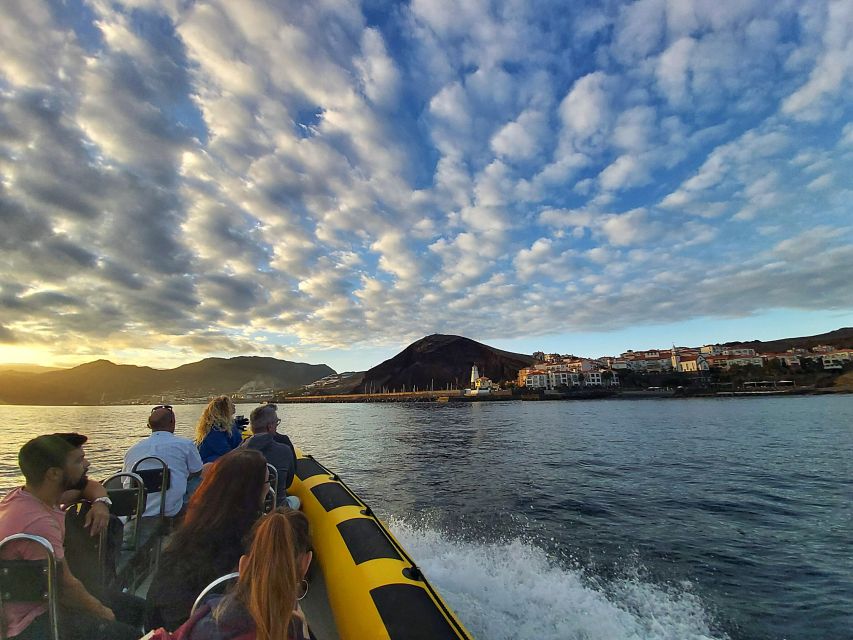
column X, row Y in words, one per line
column 26, row 368
column 439, row 360
column 841, row 338
column 103, row 381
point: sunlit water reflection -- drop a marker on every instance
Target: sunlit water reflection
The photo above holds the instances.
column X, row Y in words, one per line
column 582, row 520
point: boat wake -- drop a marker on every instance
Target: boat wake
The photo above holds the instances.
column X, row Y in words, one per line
column 513, row 589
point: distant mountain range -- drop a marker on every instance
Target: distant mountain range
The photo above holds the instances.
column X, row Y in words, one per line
column 440, row 360
column 841, row 338
column 434, row 361
column 104, row 382
column 26, row 368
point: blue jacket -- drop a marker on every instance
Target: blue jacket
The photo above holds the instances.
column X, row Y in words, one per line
column 217, row 443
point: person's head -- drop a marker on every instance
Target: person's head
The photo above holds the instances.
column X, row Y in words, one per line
column 219, row 412
column 264, row 419
column 162, row 418
column 226, row 504
column 302, row 546
column 270, row 574
column 57, row 459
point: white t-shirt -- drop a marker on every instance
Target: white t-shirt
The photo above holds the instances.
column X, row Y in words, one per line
column 179, row 453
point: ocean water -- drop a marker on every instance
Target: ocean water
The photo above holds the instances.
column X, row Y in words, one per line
column 585, row 520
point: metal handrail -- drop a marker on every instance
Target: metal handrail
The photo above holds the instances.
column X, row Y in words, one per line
column 273, row 477
column 211, row 587
column 271, row 498
column 52, row 593
column 141, row 499
column 165, row 483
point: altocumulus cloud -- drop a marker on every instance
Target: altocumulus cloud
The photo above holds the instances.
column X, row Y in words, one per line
column 267, row 176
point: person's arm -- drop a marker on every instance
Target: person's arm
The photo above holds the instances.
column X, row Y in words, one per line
column 193, row 462
column 98, row 516
column 74, row 596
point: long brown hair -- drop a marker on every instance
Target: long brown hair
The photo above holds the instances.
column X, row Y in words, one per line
column 267, row 585
column 221, row 513
column 219, row 411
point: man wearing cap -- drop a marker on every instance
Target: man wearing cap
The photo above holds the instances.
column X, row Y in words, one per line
column 54, row 467
column 180, row 454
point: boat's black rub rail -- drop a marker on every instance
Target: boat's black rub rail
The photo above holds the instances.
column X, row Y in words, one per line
column 332, row 495
column 308, row 467
column 366, row 540
column 400, row 604
column 397, row 604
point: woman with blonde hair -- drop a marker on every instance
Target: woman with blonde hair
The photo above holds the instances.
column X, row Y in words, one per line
column 263, row 605
column 216, row 434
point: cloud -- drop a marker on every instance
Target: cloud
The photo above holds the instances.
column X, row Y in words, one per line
column 215, row 178
column 629, row 228
column 585, row 112
column 831, row 73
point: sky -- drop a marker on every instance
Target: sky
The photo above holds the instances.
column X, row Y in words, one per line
column 329, row 181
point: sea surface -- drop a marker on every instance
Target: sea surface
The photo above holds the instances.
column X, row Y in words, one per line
column 582, row 520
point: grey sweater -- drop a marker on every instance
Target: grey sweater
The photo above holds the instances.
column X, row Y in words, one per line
column 279, row 452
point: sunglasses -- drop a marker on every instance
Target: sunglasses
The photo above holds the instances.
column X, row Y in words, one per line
column 163, row 406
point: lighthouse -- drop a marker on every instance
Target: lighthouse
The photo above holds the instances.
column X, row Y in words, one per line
column 475, row 375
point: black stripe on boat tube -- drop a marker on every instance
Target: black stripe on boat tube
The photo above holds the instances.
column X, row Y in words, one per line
column 366, row 541
column 308, row 467
column 409, row 613
column 332, row 495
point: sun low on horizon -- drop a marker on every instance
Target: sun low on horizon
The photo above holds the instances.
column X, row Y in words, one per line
column 328, row 182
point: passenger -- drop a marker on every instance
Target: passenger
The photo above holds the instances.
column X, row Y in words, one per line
column 276, row 447
column 180, row 454
column 271, row 574
column 215, row 433
column 54, row 467
column 212, row 536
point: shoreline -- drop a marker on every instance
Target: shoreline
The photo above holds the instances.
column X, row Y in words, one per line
column 456, row 397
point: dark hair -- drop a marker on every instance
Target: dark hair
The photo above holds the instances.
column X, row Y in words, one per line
column 299, row 523
column 219, row 518
column 47, row 452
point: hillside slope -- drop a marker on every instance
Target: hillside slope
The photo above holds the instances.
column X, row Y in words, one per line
column 104, row 381
column 440, row 360
column 841, row 338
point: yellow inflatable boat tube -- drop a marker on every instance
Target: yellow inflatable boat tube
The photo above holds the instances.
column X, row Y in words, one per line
column 375, row 590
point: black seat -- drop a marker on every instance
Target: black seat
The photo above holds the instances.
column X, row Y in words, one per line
column 155, row 479
column 31, row 580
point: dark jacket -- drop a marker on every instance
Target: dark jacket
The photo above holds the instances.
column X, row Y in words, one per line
column 179, row 580
column 279, row 452
column 217, row 443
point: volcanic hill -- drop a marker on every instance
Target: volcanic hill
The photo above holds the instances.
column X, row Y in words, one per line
column 440, row 360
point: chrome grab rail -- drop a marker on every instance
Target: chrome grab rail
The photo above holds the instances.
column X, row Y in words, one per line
column 52, row 593
column 165, row 482
column 135, row 480
column 273, row 478
column 211, row 587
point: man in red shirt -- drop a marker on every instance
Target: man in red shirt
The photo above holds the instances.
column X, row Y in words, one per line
column 54, row 467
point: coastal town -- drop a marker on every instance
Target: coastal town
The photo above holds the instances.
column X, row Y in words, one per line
column 554, row 371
